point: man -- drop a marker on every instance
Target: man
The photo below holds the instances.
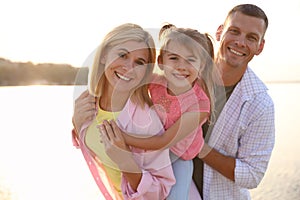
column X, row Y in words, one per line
column 239, row 144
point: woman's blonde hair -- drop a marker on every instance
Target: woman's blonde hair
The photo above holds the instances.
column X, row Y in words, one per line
column 200, row 44
column 121, row 34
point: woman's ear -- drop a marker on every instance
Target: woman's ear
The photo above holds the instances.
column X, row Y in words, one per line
column 219, row 32
column 160, row 62
column 103, row 55
column 103, row 59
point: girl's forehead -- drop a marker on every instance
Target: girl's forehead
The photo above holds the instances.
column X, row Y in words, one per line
column 182, row 49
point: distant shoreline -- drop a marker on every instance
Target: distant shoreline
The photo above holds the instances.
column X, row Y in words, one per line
column 27, row 73
column 283, row 82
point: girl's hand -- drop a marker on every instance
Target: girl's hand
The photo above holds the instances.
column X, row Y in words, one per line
column 112, row 135
column 116, row 148
column 84, row 110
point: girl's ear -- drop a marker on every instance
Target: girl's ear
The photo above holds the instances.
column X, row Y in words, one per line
column 160, row 62
column 219, row 32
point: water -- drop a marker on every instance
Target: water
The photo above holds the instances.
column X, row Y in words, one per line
column 38, row 161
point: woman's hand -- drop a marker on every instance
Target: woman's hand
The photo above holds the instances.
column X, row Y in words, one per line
column 84, row 110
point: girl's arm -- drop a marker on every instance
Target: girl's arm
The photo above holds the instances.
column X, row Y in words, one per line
column 187, row 123
column 119, row 152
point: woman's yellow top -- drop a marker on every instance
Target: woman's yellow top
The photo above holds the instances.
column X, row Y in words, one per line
column 92, row 140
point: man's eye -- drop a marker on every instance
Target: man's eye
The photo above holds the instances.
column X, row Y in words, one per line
column 173, row 58
column 252, row 38
column 233, row 31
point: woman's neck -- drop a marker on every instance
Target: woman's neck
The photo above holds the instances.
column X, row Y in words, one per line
column 113, row 102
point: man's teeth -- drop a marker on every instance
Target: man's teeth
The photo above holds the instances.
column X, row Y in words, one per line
column 235, row 52
column 122, row 77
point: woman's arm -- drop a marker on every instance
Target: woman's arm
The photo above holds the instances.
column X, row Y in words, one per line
column 187, row 123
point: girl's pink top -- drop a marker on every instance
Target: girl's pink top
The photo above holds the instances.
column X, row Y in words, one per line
column 157, row 178
column 170, row 108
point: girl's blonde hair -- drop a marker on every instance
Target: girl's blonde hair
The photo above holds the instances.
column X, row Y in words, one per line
column 119, row 35
column 200, row 44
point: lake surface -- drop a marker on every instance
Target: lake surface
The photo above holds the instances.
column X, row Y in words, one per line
column 38, row 161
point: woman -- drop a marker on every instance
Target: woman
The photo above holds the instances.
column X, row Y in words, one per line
column 118, row 90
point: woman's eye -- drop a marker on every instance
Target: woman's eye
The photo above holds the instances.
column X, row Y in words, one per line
column 122, row 55
column 139, row 62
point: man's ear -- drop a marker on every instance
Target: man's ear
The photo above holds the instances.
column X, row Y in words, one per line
column 219, row 32
column 160, row 62
column 261, row 47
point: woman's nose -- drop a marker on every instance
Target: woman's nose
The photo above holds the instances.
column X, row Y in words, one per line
column 129, row 64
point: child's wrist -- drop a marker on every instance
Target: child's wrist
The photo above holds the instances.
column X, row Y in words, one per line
column 204, row 151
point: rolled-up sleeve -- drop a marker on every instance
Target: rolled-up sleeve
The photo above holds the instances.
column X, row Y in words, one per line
column 255, row 147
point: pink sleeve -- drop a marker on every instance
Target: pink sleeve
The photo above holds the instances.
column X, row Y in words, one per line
column 153, row 185
column 75, row 139
column 157, row 178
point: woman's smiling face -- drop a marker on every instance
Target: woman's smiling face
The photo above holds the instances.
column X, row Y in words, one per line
column 126, row 65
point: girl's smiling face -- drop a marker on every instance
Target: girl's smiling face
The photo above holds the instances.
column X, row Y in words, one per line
column 181, row 67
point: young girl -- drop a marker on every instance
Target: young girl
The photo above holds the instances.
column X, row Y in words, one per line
column 122, row 65
column 182, row 99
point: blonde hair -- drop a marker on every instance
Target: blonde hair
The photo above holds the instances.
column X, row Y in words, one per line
column 200, row 44
column 121, row 34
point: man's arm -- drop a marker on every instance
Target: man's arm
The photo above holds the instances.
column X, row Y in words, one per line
column 225, row 165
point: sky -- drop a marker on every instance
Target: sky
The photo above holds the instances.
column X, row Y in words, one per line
column 67, row 31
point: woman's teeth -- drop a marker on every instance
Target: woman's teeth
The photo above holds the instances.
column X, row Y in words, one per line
column 122, row 77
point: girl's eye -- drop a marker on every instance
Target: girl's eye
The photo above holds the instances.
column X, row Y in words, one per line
column 191, row 60
column 173, row 58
